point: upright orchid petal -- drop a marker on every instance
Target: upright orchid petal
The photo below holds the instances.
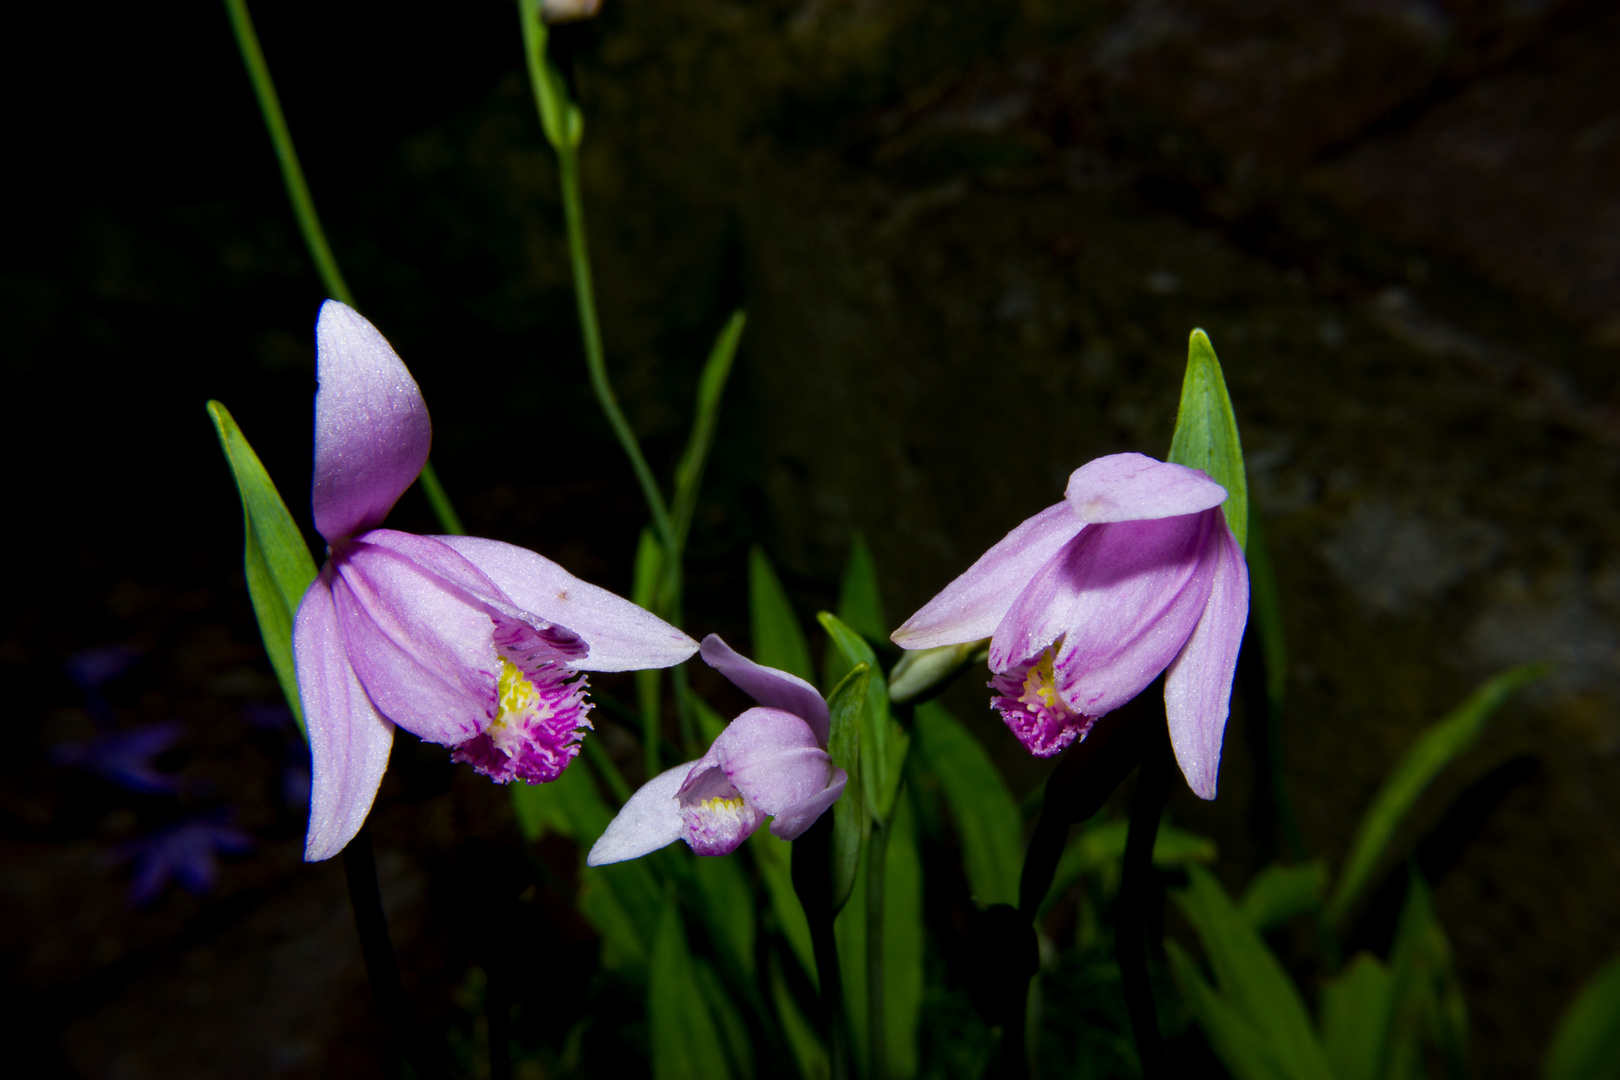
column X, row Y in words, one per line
column 972, row 606
column 1198, row 685
column 1135, row 487
column 623, row 636
column 349, row 739
column 769, row 686
column 371, row 425
column 649, row 821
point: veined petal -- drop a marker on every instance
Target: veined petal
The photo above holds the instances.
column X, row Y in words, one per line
column 649, row 821
column 622, row 636
column 791, row 823
column 972, row 606
column 371, row 425
column 770, row 687
column 773, row 758
column 1135, row 487
column 1198, row 686
column 348, row 738
column 423, row 649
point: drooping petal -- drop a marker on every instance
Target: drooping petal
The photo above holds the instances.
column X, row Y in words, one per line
column 972, row 606
column 348, row 738
column 770, row 687
column 1198, row 686
column 371, row 425
column 422, row 648
column 622, row 636
column 773, row 758
column 649, row 821
column 791, row 823
column 1135, row 487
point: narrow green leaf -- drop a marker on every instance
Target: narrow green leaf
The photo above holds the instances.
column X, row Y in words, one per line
column 1427, row 1000
column 778, row 640
column 852, row 821
column 1587, row 1043
column 1206, row 434
column 774, row 858
column 1355, row 1018
column 1279, row 893
column 276, row 559
column 649, row 574
column 710, row 723
column 711, row 387
column 1100, row 847
column 1250, row 977
column 1434, row 750
column 860, row 603
column 805, row 1045
column 686, row 1042
column 884, row 742
column 1231, row 1035
column 728, row 908
column 559, row 117
column 986, row 816
column 734, row 1040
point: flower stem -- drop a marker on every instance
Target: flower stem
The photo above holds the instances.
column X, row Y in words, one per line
column 309, row 222
column 877, row 853
column 1135, row 893
column 812, row 881
column 360, row 868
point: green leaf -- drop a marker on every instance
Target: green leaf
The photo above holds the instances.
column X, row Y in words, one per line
column 803, row 1042
column 1279, row 893
column 1427, row 999
column 883, row 741
column 1231, row 1035
column 1100, row 846
column 644, row 588
column 711, row 387
column 860, row 604
column 778, row 640
column 728, row 908
column 774, row 857
column 738, row 1047
column 1434, row 750
column 1355, row 1018
column 851, row 820
column 1587, row 1043
column 986, row 816
column 710, row 723
column 276, row 559
column 1206, row 434
column 686, row 1042
column 559, row 117
column 1251, row 979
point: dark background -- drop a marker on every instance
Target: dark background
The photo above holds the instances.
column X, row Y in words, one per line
column 972, row 237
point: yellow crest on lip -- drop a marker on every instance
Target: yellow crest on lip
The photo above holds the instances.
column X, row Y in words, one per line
column 516, row 693
column 1040, row 684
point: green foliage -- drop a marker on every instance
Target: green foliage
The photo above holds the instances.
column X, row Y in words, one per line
column 686, row 1041
column 559, row 117
column 778, row 640
column 711, row 386
column 809, row 1055
column 852, row 822
column 1279, row 893
column 1434, row 750
column 987, row 819
column 883, row 741
column 860, row 605
column 1099, row 847
column 1355, row 1018
column 1206, row 435
column 275, row 558
column 1587, row 1043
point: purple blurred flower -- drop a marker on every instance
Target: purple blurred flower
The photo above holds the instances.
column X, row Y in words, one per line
column 1133, row 574
column 768, row 762
column 90, row 669
column 125, row 757
column 474, row 644
column 184, row 853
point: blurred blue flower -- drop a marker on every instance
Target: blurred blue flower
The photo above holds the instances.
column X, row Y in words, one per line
column 184, row 853
column 91, row 669
column 125, row 757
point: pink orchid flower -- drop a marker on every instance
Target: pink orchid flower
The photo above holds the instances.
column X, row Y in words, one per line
column 769, row 762
column 1133, row 574
column 474, row 644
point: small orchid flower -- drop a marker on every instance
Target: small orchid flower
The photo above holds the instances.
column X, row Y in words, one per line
column 769, row 762
column 473, row 644
column 1133, row 574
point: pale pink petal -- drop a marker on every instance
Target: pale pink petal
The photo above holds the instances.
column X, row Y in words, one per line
column 1135, row 487
column 371, row 425
column 622, row 636
column 649, row 821
column 972, row 606
column 791, row 823
column 769, row 686
column 348, row 738
column 423, row 649
column 1198, row 686
column 773, row 758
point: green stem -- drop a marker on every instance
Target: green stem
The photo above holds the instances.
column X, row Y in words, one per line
column 877, row 850
column 309, row 222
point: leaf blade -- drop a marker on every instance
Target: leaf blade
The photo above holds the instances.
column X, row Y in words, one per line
column 1206, row 435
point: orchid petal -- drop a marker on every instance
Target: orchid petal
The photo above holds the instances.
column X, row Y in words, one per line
column 1135, row 487
column 1198, row 686
column 649, row 821
column 972, row 606
column 770, row 687
column 371, row 425
column 622, row 636
column 348, row 738
column 791, row 823
column 423, row 649
column 773, row 758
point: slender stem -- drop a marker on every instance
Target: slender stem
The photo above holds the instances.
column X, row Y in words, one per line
column 360, row 868
column 812, row 880
column 449, row 520
column 1135, row 893
column 877, row 852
